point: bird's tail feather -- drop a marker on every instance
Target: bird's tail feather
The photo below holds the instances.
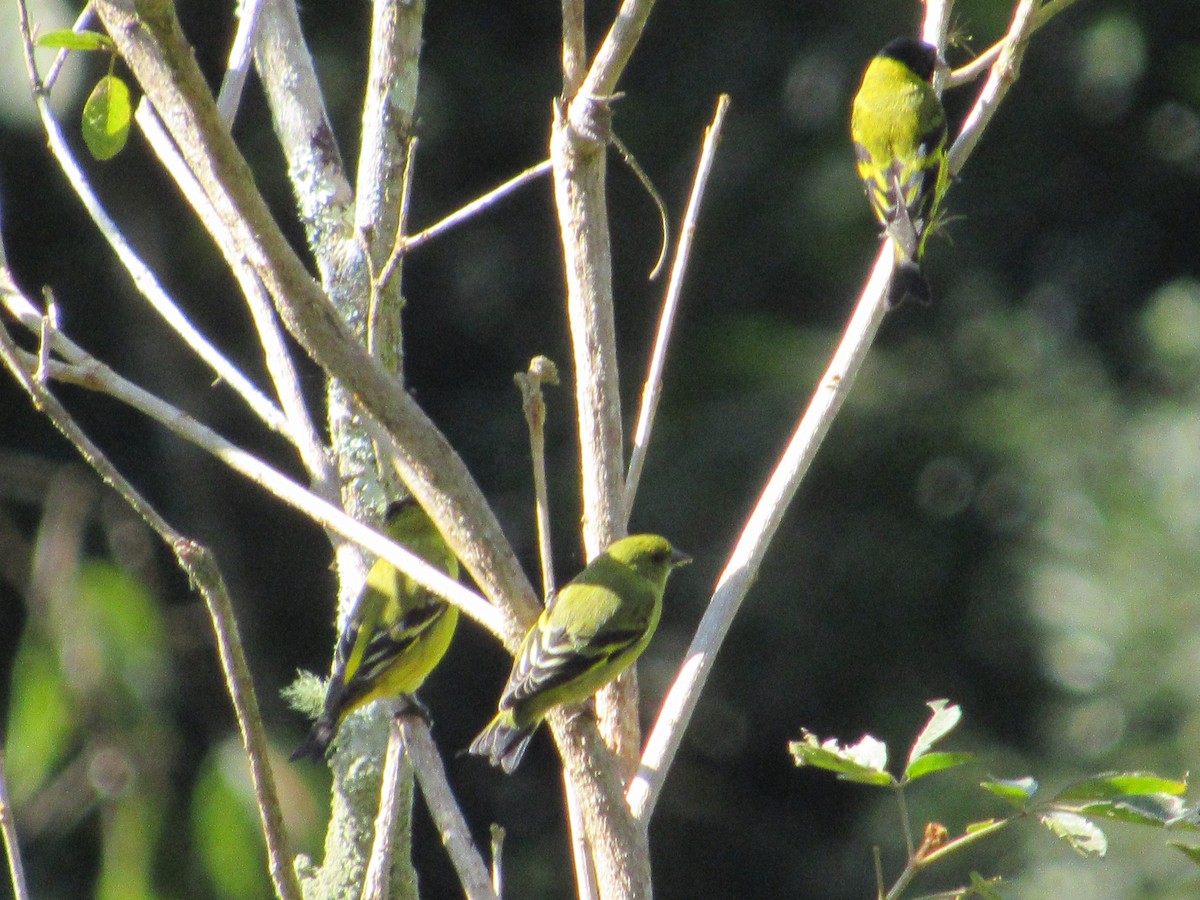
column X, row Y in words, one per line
column 503, row 742
column 317, row 742
column 908, row 282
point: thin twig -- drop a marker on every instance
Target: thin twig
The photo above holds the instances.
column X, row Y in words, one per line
column 201, row 568
column 652, row 389
column 1003, row 73
column 497, row 834
column 476, row 206
column 380, row 282
column 88, row 372
column 742, row 568
column 660, row 207
column 377, row 881
column 16, row 870
column 541, row 371
column 985, row 60
column 301, row 430
column 444, row 810
column 241, row 54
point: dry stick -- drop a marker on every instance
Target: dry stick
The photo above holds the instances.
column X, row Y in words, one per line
column 411, row 242
column 90, row 373
column 743, row 563
column 985, row 60
column 543, row 371
column 377, row 881
column 8, row 826
column 201, row 568
column 1000, row 79
column 620, row 849
column 302, row 430
column 240, row 58
column 497, row 835
column 574, row 49
column 447, row 817
column 386, row 152
column 653, row 385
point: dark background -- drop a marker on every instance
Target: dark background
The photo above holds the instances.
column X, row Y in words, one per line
column 1006, row 512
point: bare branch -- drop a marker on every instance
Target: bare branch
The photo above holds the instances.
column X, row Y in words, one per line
column 444, row 810
column 301, row 430
column 240, row 55
column 652, row 389
column 541, row 371
column 88, row 372
column 742, row 568
column 476, row 206
column 1003, row 73
column 16, row 871
column 376, row 882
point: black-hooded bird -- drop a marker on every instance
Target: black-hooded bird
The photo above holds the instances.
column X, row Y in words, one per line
column 899, row 131
column 599, row 623
column 397, row 635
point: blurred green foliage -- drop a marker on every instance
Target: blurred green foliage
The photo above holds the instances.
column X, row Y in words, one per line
column 1006, row 512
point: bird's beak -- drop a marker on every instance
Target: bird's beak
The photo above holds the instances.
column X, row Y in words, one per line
column 679, row 558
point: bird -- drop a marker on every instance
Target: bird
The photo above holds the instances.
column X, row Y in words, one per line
column 595, row 628
column 397, row 635
column 898, row 127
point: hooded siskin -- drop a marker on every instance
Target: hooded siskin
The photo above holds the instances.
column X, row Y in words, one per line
column 598, row 624
column 899, row 132
column 399, row 632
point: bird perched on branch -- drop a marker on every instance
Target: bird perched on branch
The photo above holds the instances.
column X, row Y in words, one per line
column 899, row 131
column 599, row 623
column 397, row 635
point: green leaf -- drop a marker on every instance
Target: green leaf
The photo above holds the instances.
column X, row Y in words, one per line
column 66, row 39
column 935, row 762
column 945, row 716
column 981, row 825
column 1017, row 791
column 1159, row 810
column 985, row 887
column 1112, row 785
column 106, row 118
column 863, row 762
column 1084, row 836
column 1192, row 853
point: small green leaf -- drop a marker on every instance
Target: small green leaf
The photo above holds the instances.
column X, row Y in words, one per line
column 1084, row 836
column 1192, row 853
column 985, row 887
column 106, row 118
column 945, row 716
column 863, row 762
column 935, row 762
column 66, row 39
column 1016, row 791
column 1111, row 785
column 982, row 825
